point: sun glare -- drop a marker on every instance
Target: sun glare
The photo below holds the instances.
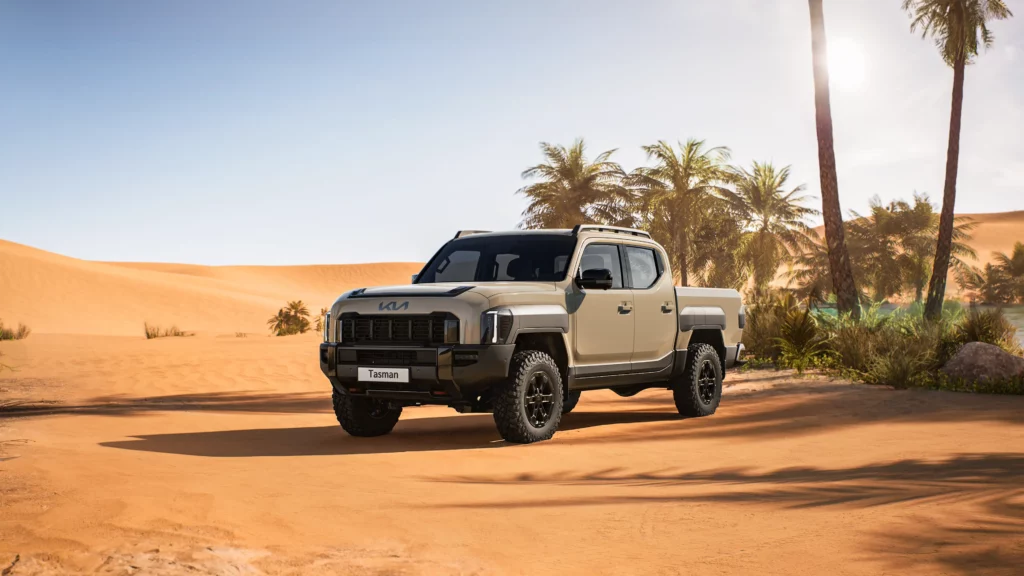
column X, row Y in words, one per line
column 847, row 66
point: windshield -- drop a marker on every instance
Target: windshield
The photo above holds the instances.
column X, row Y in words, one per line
column 513, row 258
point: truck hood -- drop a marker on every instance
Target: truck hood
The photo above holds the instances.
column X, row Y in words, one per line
column 449, row 289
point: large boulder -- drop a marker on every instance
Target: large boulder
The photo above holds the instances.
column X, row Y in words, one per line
column 977, row 361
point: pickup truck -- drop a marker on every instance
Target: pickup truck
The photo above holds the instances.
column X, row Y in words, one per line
column 520, row 323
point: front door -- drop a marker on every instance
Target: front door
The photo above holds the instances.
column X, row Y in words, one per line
column 603, row 319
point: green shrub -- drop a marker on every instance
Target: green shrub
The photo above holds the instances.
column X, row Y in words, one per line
column 800, row 341
column 155, row 332
column 765, row 313
column 292, row 319
column 988, row 326
column 20, row 333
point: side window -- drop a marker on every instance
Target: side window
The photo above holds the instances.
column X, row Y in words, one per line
column 459, row 265
column 606, row 256
column 643, row 266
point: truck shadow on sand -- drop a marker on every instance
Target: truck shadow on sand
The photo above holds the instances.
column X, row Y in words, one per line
column 466, row 432
column 975, row 526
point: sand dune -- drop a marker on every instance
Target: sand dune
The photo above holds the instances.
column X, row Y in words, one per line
column 58, row 294
column 62, row 295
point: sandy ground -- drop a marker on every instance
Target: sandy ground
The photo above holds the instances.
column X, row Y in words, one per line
column 217, row 455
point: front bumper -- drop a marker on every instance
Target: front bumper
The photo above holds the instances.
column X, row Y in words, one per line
column 450, row 375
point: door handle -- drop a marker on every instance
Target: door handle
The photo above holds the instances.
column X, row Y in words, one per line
column 625, row 308
column 666, row 308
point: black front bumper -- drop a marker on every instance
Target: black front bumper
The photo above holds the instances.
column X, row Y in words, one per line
column 450, row 375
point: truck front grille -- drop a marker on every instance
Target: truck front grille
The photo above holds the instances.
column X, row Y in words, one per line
column 424, row 329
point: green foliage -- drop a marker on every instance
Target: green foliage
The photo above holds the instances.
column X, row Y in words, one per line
column 773, row 220
column 292, row 319
column 800, row 341
column 153, row 331
column 320, row 320
column 675, row 195
column 19, row 333
column 988, row 326
column 899, row 349
column 998, row 283
column 959, row 27
column 765, row 313
column 571, row 190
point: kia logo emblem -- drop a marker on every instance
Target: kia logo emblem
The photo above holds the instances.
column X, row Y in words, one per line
column 393, row 306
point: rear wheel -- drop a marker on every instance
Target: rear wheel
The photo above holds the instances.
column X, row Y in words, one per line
column 366, row 417
column 528, row 404
column 699, row 390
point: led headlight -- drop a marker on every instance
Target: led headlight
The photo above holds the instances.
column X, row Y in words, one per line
column 327, row 327
column 495, row 326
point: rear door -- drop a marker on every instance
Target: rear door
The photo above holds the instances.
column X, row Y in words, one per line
column 603, row 319
column 654, row 333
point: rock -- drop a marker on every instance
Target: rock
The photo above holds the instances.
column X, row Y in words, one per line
column 978, row 361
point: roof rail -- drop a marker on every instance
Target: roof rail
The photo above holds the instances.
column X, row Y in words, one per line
column 463, row 233
column 616, row 229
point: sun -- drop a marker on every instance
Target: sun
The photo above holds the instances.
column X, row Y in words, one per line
column 847, row 65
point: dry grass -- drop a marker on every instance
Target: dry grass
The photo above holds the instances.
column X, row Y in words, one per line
column 153, row 331
column 20, row 333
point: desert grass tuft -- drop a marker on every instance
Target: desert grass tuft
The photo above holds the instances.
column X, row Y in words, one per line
column 153, row 331
column 20, row 333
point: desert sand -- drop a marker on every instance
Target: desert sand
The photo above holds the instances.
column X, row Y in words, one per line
column 217, row 454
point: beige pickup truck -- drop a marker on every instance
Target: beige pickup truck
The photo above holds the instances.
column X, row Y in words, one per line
column 520, row 323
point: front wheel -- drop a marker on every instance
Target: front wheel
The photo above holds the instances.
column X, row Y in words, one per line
column 528, row 404
column 570, row 401
column 366, row 417
column 699, row 390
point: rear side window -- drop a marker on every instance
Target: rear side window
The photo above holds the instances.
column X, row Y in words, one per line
column 643, row 267
column 606, row 256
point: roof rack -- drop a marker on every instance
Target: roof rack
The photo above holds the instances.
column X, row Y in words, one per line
column 616, row 229
column 463, row 233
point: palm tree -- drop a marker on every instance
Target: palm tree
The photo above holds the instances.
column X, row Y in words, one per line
column 959, row 28
column 838, row 257
column 1011, row 267
column 674, row 194
column 810, row 271
column 917, row 228
column 714, row 254
column 773, row 220
column 298, row 309
column 279, row 322
column 573, row 191
column 892, row 247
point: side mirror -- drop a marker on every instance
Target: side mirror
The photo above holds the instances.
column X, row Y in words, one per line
column 415, row 277
column 595, row 278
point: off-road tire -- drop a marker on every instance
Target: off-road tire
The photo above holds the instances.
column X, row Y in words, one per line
column 365, row 417
column 699, row 390
column 514, row 414
column 570, row 401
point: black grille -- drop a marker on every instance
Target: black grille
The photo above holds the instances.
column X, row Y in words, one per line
column 395, row 329
column 386, row 357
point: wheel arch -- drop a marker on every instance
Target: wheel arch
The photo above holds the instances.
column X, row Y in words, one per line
column 712, row 337
column 551, row 343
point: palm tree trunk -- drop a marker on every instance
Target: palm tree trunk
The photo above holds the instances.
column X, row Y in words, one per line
column 940, row 270
column 835, row 238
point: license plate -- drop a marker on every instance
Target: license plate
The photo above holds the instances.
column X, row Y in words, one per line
column 384, row 375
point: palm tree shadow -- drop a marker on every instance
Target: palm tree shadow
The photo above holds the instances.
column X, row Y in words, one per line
column 466, row 432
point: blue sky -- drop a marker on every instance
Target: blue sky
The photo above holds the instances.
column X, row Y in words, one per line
column 333, row 132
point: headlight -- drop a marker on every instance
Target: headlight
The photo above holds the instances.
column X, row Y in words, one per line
column 495, row 326
column 327, row 327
